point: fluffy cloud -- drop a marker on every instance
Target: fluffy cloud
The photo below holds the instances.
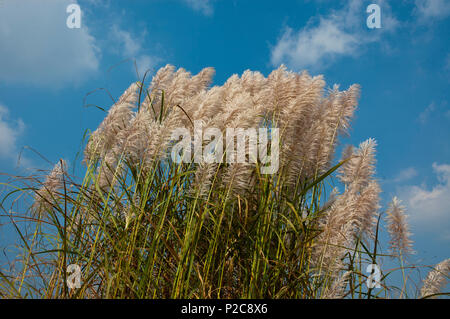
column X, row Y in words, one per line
column 405, row 175
column 429, row 10
column 203, row 6
column 425, row 115
column 433, row 111
column 429, row 207
column 38, row 48
column 130, row 47
column 10, row 131
column 311, row 47
column 340, row 33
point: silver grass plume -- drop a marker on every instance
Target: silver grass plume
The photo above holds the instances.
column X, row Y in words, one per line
column 103, row 139
column 311, row 124
column 203, row 178
column 400, row 243
column 358, row 171
column 46, row 196
column 436, row 279
column 206, row 105
column 353, row 213
column 149, row 135
column 159, row 83
column 200, row 81
column 159, row 138
column 240, row 110
column 107, row 141
column 133, row 141
column 336, row 290
column 358, row 176
column 339, row 110
column 302, row 132
column 336, row 237
column 178, row 87
column 366, row 210
column 254, row 83
column 108, row 171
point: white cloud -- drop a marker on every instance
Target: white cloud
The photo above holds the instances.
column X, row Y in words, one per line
column 425, row 115
column 130, row 47
column 429, row 208
column 340, row 33
column 311, row 47
column 203, row 6
column 38, row 48
column 429, row 10
column 10, row 131
column 433, row 111
column 405, row 175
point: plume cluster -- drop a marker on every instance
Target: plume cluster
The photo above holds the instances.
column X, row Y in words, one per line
column 309, row 120
column 309, row 117
column 215, row 224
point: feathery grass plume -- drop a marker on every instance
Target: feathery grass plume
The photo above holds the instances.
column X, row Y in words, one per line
column 280, row 88
column 365, row 210
column 177, row 87
column 358, row 171
column 205, row 105
column 136, row 137
column 353, row 212
column 254, row 83
column 436, row 279
column 160, row 138
column 358, row 176
column 336, row 236
column 313, row 136
column 239, row 178
column 200, row 81
column 108, row 170
column 176, row 91
column 103, row 139
column 339, row 110
column 301, row 132
column 46, row 197
column 159, row 83
column 149, row 138
column 291, row 99
column 337, row 289
column 400, row 243
column 239, row 111
column 106, row 143
column 204, row 175
column 234, row 99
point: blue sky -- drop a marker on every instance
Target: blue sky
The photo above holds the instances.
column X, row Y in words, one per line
column 46, row 70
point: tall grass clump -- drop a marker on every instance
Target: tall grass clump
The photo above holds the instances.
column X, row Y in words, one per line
column 141, row 225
